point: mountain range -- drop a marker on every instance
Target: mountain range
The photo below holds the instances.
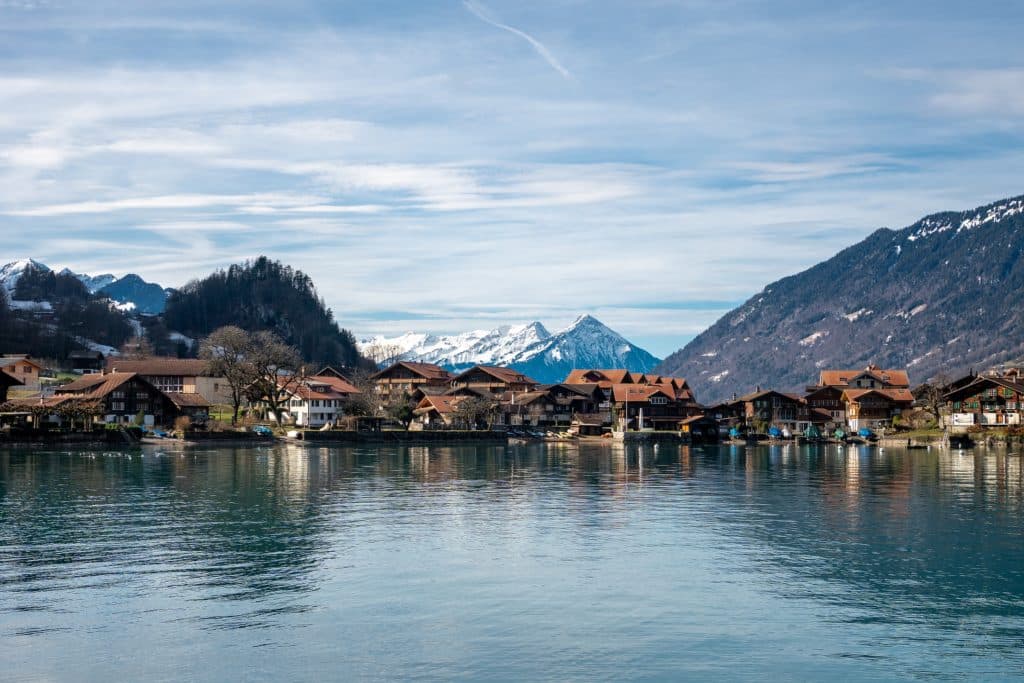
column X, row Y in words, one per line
column 939, row 297
column 130, row 292
column 530, row 349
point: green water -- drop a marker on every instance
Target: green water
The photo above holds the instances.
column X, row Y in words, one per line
column 519, row 563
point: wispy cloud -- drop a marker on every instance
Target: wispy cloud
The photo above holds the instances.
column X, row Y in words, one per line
column 481, row 14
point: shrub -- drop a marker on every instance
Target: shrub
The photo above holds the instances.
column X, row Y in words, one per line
column 182, row 424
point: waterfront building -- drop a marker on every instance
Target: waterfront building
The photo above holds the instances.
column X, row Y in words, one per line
column 176, row 375
column 988, row 401
column 125, row 395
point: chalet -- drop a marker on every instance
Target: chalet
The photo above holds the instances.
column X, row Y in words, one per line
column 640, row 406
column 492, row 380
column 842, row 394
column 768, row 408
column 22, row 367
column 875, row 408
column 550, row 406
column 438, row 411
column 176, row 375
column 125, row 395
column 988, row 401
column 413, row 380
column 317, row 401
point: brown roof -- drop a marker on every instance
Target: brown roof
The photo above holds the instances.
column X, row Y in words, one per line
column 96, row 386
column 424, row 370
column 638, row 392
column 187, row 400
column 442, row 404
column 840, row 378
column 336, row 383
column 898, row 395
column 978, row 385
column 7, row 361
column 507, row 375
column 158, row 366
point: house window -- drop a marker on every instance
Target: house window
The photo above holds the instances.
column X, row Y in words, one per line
column 118, row 394
column 117, row 406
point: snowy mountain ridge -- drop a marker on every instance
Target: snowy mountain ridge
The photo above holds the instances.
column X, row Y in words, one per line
column 529, row 348
column 130, row 293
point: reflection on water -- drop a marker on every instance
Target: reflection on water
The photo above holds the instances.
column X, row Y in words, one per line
column 511, row 563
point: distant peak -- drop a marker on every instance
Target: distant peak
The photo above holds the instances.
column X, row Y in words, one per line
column 585, row 319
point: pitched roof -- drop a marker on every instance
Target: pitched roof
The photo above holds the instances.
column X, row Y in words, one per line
column 898, row 395
column 840, row 378
column 753, row 396
column 96, row 386
column 187, row 400
column 506, row 375
column 13, row 359
column 9, row 379
column 980, row 383
column 338, row 384
column 638, row 392
column 442, row 404
column 159, row 366
column 425, row 370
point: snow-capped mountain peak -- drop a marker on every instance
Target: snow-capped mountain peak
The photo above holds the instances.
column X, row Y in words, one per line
column 12, row 272
column 93, row 283
column 529, row 348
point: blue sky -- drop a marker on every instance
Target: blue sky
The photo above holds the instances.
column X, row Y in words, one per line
column 449, row 165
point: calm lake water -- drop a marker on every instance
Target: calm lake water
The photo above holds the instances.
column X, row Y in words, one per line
column 519, row 563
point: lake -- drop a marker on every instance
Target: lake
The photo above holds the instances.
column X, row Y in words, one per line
column 511, row 563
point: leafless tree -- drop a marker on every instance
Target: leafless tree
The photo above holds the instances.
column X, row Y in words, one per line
column 383, row 354
column 229, row 350
column 278, row 371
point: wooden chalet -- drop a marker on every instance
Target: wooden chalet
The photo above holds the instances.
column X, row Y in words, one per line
column 438, row 411
column 875, row 408
column 124, row 395
column 844, row 395
column 492, row 380
column 988, row 401
column 413, row 380
column 176, row 375
column 317, row 401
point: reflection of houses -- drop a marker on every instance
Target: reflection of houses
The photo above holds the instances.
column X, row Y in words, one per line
column 413, row 380
column 176, row 375
column 23, row 368
column 317, row 401
column 870, row 397
column 988, row 401
column 124, row 395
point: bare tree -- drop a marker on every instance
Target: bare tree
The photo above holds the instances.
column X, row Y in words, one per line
column 472, row 409
column 383, row 354
column 229, row 350
column 400, row 408
column 366, row 402
column 931, row 396
column 278, row 372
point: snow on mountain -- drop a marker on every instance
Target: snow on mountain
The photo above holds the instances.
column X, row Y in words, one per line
column 92, row 283
column 530, row 348
column 130, row 293
column 12, row 272
column 486, row 347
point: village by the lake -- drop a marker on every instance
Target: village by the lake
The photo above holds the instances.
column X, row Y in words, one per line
column 143, row 398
